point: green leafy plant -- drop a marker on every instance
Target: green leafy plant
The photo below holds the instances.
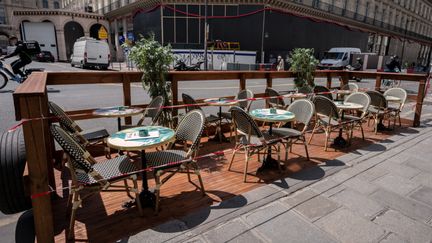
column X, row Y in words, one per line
column 153, row 59
column 303, row 64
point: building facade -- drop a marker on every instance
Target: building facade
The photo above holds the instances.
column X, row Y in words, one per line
column 385, row 27
column 46, row 21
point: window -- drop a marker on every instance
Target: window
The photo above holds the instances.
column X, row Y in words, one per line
column 56, row 5
column 45, row 4
column 2, row 15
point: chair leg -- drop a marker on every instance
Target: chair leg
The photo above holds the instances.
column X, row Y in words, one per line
column 313, row 132
column 246, row 165
column 137, row 195
column 232, row 158
column 362, row 132
column 198, row 173
column 157, row 191
column 327, row 134
column 306, row 148
column 127, row 188
column 188, row 173
column 75, row 205
column 286, row 150
column 400, row 123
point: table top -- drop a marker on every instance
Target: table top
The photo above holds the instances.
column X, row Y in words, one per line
column 220, row 102
column 344, row 91
column 295, row 95
column 347, row 105
column 392, row 98
column 117, row 140
column 266, row 116
column 118, row 111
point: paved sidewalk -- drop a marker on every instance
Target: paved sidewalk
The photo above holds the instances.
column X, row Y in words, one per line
column 382, row 193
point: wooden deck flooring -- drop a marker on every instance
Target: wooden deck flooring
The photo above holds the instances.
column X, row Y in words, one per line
column 102, row 219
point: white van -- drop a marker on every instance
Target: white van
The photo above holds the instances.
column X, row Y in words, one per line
column 338, row 57
column 90, row 53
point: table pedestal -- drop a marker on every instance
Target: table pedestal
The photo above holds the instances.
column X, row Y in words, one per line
column 339, row 141
column 269, row 163
column 219, row 136
column 147, row 198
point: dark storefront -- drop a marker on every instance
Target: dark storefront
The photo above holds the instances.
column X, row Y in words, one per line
column 182, row 28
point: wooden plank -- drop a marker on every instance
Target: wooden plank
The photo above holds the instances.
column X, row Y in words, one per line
column 419, row 104
column 127, row 96
column 34, row 85
column 72, row 78
column 37, row 156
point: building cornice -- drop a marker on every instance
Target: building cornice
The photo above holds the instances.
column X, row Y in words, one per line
column 49, row 12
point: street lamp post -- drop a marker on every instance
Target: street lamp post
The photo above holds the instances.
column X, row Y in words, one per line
column 205, row 36
column 263, row 35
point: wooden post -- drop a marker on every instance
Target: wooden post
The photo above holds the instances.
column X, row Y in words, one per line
column 49, row 142
column 329, row 80
column 174, row 92
column 269, row 80
column 127, row 96
column 35, row 136
column 419, row 104
column 242, row 82
column 344, row 78
column 378, row 82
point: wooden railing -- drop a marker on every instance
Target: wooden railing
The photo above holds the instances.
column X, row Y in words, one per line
column 31, row 104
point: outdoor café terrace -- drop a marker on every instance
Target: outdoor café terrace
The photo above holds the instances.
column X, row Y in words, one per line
column 101, row 217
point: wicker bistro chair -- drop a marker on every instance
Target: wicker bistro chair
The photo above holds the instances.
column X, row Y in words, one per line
column 153, row 111
column 88, row 137
column 303, row 110
column 210, row 120
column 275, row 101
column 322, row 89
column 172, row 161
column 349, row 86
column 327, row 118
column 245, row 104
column 394, row 112
column 249, row 138
column 377, row 109
column 89, row 178
column 364, row 100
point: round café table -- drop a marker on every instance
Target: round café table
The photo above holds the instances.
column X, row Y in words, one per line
column 343, row 106
column 119, row 112
column 159, row 136
column 220, row 102
column 266, row 115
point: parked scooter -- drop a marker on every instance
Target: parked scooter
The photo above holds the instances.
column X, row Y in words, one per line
column 181, row 66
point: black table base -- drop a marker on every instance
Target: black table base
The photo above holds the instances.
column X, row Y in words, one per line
column 382, row 128
column 147, row 198
column 269, row 163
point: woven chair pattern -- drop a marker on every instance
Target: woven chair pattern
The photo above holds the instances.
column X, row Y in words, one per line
column 154, row 109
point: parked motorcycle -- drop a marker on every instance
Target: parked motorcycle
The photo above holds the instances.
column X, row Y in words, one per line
column 181, row 66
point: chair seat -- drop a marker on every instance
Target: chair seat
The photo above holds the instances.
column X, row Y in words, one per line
column 376, row 110
column 162, row 159
column 287, row 132
column 352, row 118
column 95, row 134
column 255, row 141
column 109, row 169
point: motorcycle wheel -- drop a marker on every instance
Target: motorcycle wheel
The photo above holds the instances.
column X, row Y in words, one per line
column 3, row 80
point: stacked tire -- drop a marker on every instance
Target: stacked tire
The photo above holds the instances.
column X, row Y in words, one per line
column 13, row 196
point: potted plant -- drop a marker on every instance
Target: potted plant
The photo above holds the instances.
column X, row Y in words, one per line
column 303, row 64
column 153, row 59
